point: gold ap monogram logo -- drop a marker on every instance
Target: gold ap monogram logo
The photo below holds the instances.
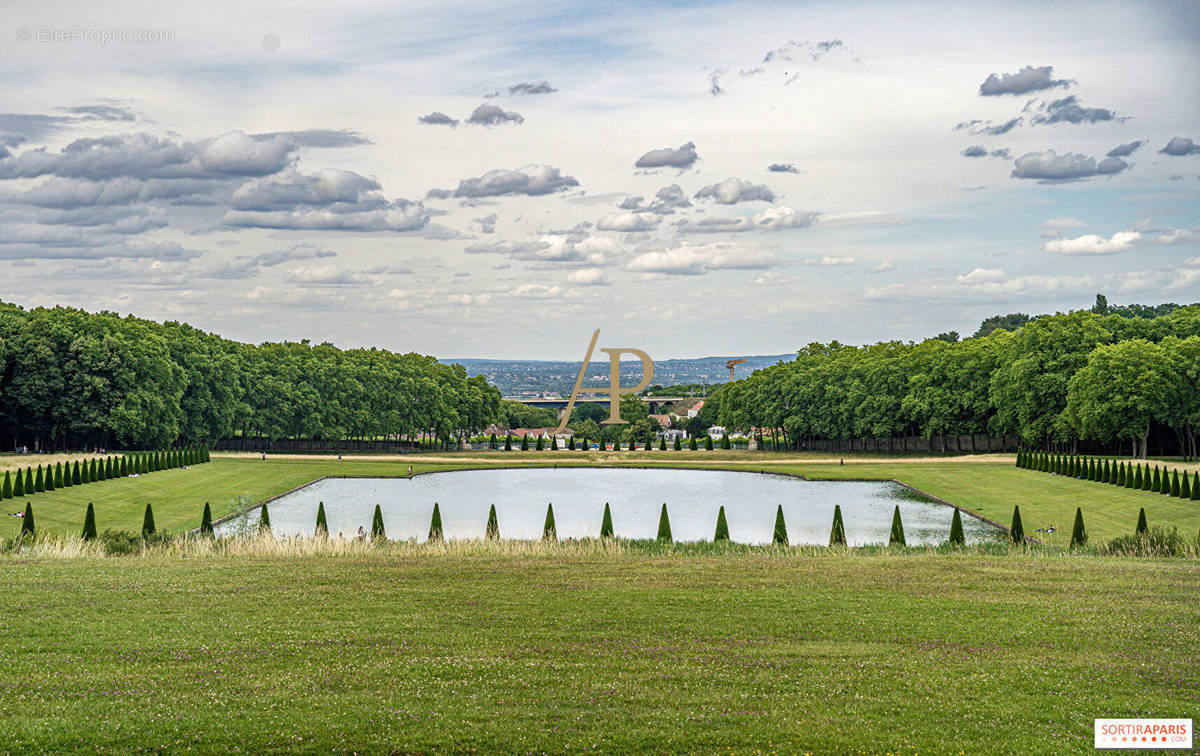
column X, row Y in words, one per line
column 615, row 389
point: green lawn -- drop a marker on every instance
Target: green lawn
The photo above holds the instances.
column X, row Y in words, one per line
column 989, row 488
column 611, row 653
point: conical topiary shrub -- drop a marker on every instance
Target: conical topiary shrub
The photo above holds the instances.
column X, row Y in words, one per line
column 692, row 443
column 1016, row 532
column 525, row 442
column 678, row 446
column 662, row 444
column 1120, row 480
column 708, row 443
column 957, row 537
column 322, row 528
column 549, row 532
column 837, row 536
column 664, row 525
column 779, row 536
column 19, row 486
column 725, row 442
column 1175, row 484
column 39, row 483
column 554, row 443
column 722, row 533
column 493, row 526
column 1185, row 488
column 1078, row 532
column 264, row 520
column 6, row 490
column 1196, row 487
column 61, row 481
column 1141, row 523
column 89, row 524
column 27, row 522
column 1137, row 478
column 49, row 483
column 435, row 524
column 148, row 522
column 508, row 442
column 606, row 525
column 206, row 525
column 571, row 444
column 896, row 537
column 539, row 446
column 378, row 533
column 76, row 477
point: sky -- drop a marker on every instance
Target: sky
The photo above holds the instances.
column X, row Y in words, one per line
column 466, row 179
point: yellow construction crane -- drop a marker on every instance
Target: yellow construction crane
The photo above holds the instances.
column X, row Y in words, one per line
column 730, row 365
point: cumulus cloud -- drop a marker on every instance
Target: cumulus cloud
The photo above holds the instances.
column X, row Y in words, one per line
column 492, row 115
column 734, row 190
column 316, row 137
column 1125, row 150
column 531, row 88
column 628, row 221
column 324, row 275
column 978, row 150
column 882, row 267
column 666, row 201
column 1094, row 244
column 145, row 156
column 286, row 190
column 1028, row 79
column 1050, row 166
column 588, row 277
column 779, row 218
column 828, row 261
column 553, row 248
column 771, row 219
column 437, row 118
column 1179, row 146
column 532, row 180
column 697, row 259
column 1068, row 110
column 782, row 168
column 399, row 216
column 680, row 157
column 989, row 128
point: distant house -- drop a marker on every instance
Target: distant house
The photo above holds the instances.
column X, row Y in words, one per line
column 664, row 421
column 695, row 410
column 717, row 431
column 536, row 433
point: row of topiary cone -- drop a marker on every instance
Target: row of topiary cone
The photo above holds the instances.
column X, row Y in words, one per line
column 1116, row 473
column 28, row 482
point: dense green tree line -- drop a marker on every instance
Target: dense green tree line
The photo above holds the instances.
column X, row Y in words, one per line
column 1056, row 379
column 72, row 379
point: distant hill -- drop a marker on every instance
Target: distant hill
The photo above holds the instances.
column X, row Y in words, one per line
column 534, row 377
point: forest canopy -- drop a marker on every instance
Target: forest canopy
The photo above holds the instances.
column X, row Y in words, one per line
column 1080, row 376
column 72, row 379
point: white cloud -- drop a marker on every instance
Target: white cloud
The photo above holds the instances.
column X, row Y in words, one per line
column 882, row 267
column 629, row 221
column 1094, row 244
column 697, row 259
column 588, row 277
column 828, row 261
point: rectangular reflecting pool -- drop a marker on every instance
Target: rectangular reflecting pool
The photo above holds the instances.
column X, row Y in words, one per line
column 636, row 496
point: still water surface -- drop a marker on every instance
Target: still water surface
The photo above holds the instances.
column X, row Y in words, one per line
column 635, row 495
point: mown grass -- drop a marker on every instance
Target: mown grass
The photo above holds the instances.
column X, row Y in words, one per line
column 989, row 488
column 493, row 648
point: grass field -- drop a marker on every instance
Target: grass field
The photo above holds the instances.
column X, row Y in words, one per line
column 988, row 485
column 479, row 650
